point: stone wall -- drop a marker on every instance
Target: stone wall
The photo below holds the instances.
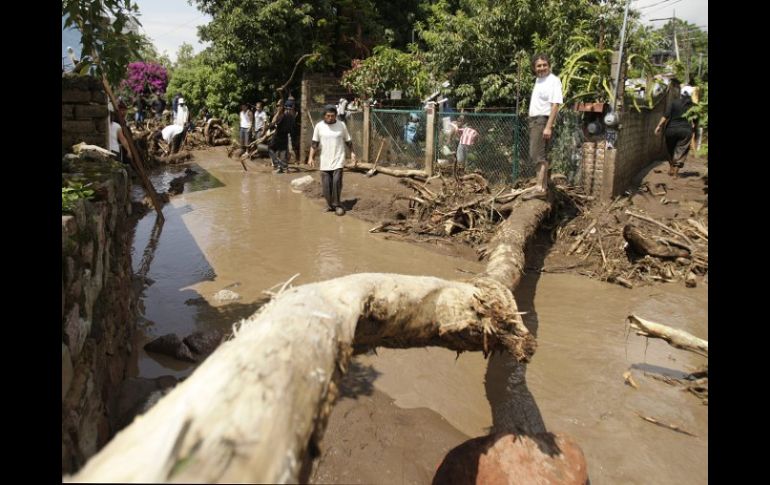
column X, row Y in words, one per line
column 84, row 115
column 97, row 307
column 608, row 172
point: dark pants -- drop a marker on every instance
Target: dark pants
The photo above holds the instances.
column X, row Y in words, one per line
column 331, row 185
column 538, row 148
column 678, row 144
column 176, row 141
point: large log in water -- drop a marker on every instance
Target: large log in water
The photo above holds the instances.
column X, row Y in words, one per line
column 253, row 410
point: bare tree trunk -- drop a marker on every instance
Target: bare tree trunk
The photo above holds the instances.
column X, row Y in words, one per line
column 675, row 337
column 253, row 410
column 395, row 172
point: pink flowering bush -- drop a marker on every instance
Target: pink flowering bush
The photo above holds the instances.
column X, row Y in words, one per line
column 145, row 75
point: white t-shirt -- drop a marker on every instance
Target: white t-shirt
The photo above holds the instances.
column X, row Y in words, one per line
column 547, row 91
column 259, row 120
column 170, row 132
column 182, row 115
column 331, row 139
column 246, row 119
column 114, row 144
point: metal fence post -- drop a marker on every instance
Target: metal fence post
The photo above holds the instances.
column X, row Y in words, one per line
column 367, row 135
column 515, row 167
column 430, row 133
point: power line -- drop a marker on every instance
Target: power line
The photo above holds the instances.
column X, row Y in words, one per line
column 654, row 4
column 174, row 29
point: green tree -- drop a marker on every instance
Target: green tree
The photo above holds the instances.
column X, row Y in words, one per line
column 386, row 70
column 108, row 33
column 483, row 47
column 205, row 81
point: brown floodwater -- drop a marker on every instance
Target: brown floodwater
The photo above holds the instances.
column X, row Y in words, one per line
column 402, row 410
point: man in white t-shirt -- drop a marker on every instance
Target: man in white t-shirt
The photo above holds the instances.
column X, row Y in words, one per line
column 331, row 136
column 543, row 106
column 247, row 119
column 260, row 119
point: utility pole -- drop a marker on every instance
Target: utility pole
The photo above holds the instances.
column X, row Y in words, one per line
column 620, row 84
column 700, row 63
column 673, row 27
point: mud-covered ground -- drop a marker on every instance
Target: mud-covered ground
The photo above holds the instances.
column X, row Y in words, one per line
column 370, row 439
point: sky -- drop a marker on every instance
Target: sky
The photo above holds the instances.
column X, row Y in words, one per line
column 169, row 23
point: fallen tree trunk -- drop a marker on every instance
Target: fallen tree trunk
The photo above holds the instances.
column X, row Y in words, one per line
column 395, row 172
column 253, row 410
column 676, row 338
column 644, row 245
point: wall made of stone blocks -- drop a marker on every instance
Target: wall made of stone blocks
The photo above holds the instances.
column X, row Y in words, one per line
column 84, row 113
column 608, row 172
column 97, row 308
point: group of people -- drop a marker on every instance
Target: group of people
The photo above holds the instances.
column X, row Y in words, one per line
column 253, row 122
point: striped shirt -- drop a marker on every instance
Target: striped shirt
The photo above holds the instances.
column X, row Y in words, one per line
column 468, row 136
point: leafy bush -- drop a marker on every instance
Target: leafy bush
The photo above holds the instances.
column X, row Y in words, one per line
column 72, row 192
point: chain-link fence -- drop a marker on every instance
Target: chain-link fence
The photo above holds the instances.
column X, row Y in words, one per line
column 496, row 145
column 499, row 151
column 401, row 134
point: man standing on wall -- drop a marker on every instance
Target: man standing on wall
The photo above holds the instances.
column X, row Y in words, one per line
column 543, row 106
column 331, row 136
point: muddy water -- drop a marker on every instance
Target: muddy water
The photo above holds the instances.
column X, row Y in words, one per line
column 402, row 410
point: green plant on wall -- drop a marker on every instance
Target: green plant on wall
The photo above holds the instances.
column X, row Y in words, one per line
column 72, row 193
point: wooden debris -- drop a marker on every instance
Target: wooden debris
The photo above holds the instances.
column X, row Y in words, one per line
column 675, row 337
column 672, row 427
column 630, row 379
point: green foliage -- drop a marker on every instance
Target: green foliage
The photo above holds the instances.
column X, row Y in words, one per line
column 485, row 47
column 388, row 69
column 107, row 33
column 587, row 76
column 203, row 81
column 700, row 111
column 72, row 193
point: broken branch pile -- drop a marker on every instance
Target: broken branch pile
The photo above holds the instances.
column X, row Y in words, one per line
column 463, row 207
column 627, row 247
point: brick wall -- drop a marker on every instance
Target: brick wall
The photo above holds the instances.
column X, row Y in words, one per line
column 84, row 114
column 608, row 172
column 318, row 90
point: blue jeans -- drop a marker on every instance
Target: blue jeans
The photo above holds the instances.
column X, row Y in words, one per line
column 244, row 133
column 280, row 159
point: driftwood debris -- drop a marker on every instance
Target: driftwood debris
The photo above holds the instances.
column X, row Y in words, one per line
column 644, row 245
column 395, row 172
column 675, row 337
column 627, row 247
column 672, row 427
column 254, row 408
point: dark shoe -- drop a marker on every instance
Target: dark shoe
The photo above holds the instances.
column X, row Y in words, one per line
column 278, row 170
column 328, row 209
column 339, row 211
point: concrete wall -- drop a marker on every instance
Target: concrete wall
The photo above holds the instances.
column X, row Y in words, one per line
column 84, row 114
column 608, row 172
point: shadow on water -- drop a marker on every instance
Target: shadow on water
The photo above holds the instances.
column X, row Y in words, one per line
column 165, row 273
